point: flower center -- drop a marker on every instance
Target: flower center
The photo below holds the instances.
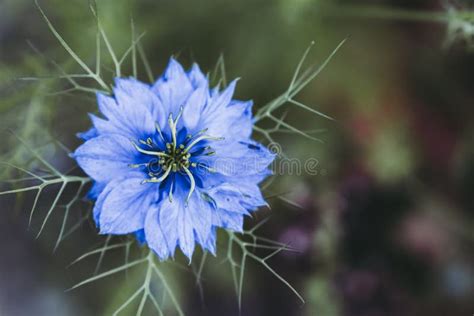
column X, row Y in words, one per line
column 175, row 158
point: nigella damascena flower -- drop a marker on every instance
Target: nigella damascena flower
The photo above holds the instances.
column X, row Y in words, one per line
column 173, row 161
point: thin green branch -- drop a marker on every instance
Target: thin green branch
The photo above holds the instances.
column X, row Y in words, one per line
column 146, row 63
column 108, row 273
column 298, row 82
column 244, row 248
column 70, row 51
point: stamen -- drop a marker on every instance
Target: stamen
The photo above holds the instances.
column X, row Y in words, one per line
column 202, row 131
column 160, row 179
column 148, row 152
column 137, row 165
column 158, row 129
column 181, row 109
column 197, row 140
column 173, row 131
column 200, row 165
column 148, row 142
column 170, row 196
column 174, row 124
column 193, row 183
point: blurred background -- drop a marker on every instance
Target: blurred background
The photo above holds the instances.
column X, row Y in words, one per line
column 386, row 227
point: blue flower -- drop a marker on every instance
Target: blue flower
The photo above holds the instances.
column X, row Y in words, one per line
column 173, row 161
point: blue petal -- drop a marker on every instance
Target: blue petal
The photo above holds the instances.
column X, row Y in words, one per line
column 91, row 133
column 154, row 236
column 125, row 116
column 140, row 236
column 241, row 114
column 199, row 212
column 221, row 100
column 100, row 201
column 238, row 159
column 183, row 224
column 125, row 207
column 96, row 189
column 227, row 196
column 175, row 227
column 225, row 117
column 252, row 197
column 232, row 122
column 210, row 243
column 106, row 157
column 102, row 126
column 228, row 220
column 132, row 91
column 197, row 77
column 173, row 88
column 193, row 108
